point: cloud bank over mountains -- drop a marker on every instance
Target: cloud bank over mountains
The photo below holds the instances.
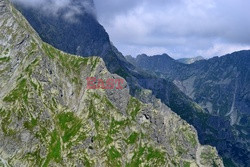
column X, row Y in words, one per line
column 181, row 28
column 70, row 8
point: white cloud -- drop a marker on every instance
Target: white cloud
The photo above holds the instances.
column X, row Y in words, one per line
column 182, row 27
column 222, row 49
column 54, row 7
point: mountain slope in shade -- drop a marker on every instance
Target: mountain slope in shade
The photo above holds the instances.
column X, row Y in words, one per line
column 190, row 60
column 49, row 118
column 221, row 86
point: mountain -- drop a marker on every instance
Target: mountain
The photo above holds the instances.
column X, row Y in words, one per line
column 145, row 86
column 68, row 36
column 138, row 81
column 220, row 85
column 49, row 117
column 190, row 60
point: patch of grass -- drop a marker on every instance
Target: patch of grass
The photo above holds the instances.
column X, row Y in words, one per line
column 137, row 158
column 97, row 96
column 35, row 86
column 148, row 156
column 113, row 156
column 93, row 114
column 189, row 135
column 108, row 102
column 48, row 50
column 32, row 48
column 3, row 71
column 30, row 125
column 155, row 154
column 94, row 62
column 43, row 132
column 109, row 139
column 180, row 150
column 134, row 107
column 76, row 80
column 87, row 163
column 33, row 45
column 72, row 62
column 35, row 156
column 6, row 121
column 116, row 125
column 186, row 164
column 132, row 138
column 54, row 149
column 208, row 155
column 69, row 125
column 29, row 69
column 4, row 59
column 192, row 139
column 20, row 93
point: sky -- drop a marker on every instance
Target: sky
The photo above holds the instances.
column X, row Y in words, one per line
column 180, row 28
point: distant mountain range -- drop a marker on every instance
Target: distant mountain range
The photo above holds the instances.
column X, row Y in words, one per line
column 220, row 85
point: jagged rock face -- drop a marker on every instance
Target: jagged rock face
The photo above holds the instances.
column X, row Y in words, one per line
column 49, row 118
column 221, row 86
